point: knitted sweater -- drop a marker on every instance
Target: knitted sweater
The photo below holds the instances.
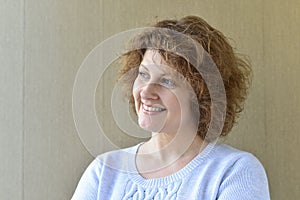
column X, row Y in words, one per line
column 218, row 172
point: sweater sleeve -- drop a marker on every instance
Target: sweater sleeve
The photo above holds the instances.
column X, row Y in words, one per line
column 87, row 187
column 245, row 180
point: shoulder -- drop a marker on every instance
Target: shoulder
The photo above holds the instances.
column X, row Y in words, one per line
column 112, row 159
column 233, row 156
column 117, row 154
column 232, row 160
column 243, row 175
column 118, row 159
column 228, row 160
column 103, row 170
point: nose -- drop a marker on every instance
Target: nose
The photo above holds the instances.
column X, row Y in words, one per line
column 149, row 92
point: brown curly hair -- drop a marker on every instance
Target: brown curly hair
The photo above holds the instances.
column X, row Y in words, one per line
column 235, row 70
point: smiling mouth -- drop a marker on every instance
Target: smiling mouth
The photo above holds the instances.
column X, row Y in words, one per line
column 152, row 108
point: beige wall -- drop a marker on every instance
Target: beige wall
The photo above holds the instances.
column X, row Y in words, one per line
column 44, row 42
column 11, row 99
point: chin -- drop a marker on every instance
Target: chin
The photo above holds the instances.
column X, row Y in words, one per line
column 152, row 126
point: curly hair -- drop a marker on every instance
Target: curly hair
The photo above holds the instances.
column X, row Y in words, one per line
column 235, row 70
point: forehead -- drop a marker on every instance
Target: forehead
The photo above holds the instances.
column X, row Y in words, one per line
column 152, row 60
column 153, row 57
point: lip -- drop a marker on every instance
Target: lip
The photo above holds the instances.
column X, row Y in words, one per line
column 147, row 112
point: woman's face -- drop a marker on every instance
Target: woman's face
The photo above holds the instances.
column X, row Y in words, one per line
column 162, row 100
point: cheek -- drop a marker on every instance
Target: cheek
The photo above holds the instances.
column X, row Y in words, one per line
column 137, row 84
column 181, row 104
column 136, row 94
column 172, row 103
column 137, row 88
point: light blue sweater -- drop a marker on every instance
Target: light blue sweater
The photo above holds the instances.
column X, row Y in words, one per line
column 218, row 172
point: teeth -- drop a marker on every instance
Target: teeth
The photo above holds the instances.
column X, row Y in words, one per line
column 153, row 109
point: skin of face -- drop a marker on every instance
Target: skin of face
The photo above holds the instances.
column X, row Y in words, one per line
column 162, row 101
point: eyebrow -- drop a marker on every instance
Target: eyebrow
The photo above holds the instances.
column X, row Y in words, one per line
column 141, row 65
column 164, row 74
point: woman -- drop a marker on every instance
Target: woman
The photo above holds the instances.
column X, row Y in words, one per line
column 176, row 94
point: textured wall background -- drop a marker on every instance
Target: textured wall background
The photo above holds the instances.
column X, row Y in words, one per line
column 44, row 42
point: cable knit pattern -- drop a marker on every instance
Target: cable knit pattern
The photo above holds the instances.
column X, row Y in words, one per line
column 135, row 192
column 219, row 172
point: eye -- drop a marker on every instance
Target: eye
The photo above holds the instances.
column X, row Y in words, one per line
column 168, row 82
column 143, row 75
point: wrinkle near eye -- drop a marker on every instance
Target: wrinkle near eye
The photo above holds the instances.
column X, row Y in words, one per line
column 169, row 83
column 143, row 74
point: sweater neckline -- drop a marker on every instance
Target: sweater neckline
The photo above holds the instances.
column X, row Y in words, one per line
column 177, row 176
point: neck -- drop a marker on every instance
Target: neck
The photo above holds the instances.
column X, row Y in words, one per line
column 163, row 155
column 165, row 147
